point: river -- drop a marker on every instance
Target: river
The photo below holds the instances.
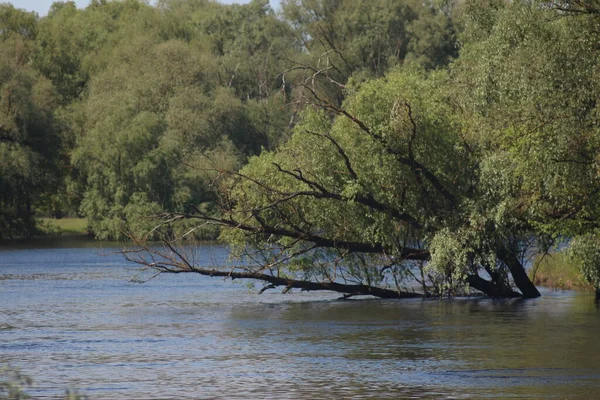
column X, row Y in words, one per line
column 71, row 317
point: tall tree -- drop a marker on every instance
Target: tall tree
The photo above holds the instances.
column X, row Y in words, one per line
column 28, row 139
column 170, row 85
column 535, row 106
column 461, row 173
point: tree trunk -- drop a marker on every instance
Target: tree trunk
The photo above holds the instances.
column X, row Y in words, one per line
column 517, row 270
column 274, row 281
column 491, row 289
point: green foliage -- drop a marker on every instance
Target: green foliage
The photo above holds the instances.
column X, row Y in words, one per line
column 29, row 143
column 457, row 254
column 131, row 99
column 122, row 110
column 143, row 129
column 192, row 82
column 528, row 84
column 505, row 145
column 558, row 270
column 365, row 39
column 16, row 23
column 63, row 226
column 585, row 250
column 330, row 169
column 73, row 44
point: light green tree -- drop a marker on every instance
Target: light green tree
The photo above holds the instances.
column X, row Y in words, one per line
column 197, row 86
column 584, row 250
column 364, row 197
column 456, row 176
column 528, row 83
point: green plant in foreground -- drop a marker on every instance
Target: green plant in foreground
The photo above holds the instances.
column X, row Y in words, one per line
column 12, row 384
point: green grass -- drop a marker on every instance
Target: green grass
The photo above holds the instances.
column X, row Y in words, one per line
column 63, row 226
column 557, row 271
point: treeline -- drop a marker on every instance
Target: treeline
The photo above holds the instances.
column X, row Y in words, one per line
column 123, row 110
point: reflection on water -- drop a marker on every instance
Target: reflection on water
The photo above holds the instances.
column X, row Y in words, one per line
column 72, row 318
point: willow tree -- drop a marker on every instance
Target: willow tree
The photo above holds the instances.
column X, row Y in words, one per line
column 363, row 199
column 365, row 39
column 166, row 86
column 528, row 80
column 143, row 119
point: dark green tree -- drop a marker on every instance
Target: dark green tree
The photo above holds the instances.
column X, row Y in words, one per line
column 29, row 143
column 366, row 39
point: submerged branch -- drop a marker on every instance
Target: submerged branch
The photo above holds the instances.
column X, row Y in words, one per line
column 175, row 261
column 170, row 265
column 489, row 288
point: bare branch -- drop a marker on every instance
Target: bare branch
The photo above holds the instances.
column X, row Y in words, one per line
column 577, row 7
column 177, row 264
column 267, row 287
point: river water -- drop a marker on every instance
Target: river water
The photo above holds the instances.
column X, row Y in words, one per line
column 72, row 318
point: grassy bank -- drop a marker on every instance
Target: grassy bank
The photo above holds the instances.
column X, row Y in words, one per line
column 63, row 226
column 557, row 271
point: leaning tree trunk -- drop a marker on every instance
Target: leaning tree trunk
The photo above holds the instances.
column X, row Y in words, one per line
column 517, row 270
column 491, row 289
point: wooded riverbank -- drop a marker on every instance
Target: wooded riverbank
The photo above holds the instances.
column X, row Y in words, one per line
column 330, row 141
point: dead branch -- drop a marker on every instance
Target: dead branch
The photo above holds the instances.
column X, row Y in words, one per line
column 177, row 264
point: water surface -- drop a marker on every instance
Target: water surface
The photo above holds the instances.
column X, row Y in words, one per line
column 71, row 317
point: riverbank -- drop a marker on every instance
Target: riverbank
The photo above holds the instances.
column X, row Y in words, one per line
column 63, row 226
column 558, row 271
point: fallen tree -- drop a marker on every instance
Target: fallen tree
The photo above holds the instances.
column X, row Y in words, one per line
column 363, row 200
column 171, row 260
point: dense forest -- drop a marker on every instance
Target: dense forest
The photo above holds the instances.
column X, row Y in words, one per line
column 338, row 144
